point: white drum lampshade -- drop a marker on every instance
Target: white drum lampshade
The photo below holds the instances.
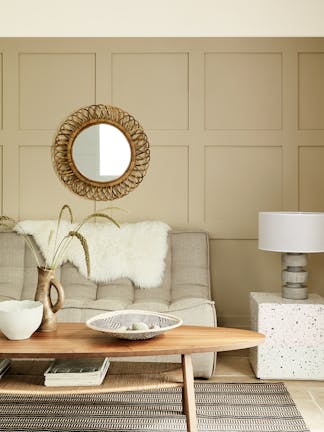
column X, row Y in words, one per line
column 294, row 234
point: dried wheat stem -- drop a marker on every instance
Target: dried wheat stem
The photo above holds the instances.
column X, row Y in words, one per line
column 84, row 245
column 68, row 208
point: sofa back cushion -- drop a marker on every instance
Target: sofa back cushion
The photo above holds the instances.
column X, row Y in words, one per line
column 190, row 265
column 186, row 275
column 12, row 262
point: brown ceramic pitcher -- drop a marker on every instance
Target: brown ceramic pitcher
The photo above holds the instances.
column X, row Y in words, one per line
column 46, row 281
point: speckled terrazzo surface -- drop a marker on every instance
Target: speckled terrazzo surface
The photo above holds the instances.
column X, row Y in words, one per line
column 294, row 329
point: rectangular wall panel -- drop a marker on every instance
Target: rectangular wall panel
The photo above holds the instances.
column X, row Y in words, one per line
column 153, row 87
column 311, row 178
column 163, row 194
column 243, row 91
column 238, row 268
column 311, row 90
column 240, row 182
column 51, row 86
column 41, row 192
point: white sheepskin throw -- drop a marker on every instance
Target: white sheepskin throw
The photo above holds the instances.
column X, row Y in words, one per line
column 136, row 251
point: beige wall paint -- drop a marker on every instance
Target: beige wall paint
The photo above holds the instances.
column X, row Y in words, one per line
column 236, row 126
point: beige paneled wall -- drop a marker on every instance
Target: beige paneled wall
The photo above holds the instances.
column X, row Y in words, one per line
column 236, row 126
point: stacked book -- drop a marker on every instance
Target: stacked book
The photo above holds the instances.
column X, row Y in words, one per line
column 4, row 366
column 76, row 372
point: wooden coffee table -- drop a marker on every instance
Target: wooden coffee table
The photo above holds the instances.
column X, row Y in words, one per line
column 76, row 340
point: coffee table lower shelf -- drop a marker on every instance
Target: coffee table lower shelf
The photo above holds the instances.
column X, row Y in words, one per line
column 27, row 377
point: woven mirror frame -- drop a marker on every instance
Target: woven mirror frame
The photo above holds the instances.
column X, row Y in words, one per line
column 67, row 170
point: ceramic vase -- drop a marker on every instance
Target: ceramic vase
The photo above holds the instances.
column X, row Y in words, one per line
column 47, row 281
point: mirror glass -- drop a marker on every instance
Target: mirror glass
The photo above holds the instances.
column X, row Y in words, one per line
column 101, row 152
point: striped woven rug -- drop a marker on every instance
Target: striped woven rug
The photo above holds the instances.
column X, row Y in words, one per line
column 252, row 407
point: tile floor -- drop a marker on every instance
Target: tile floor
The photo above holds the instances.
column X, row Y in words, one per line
column 308, row 395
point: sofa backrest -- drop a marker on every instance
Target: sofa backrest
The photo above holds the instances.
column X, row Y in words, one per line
column 186, row 273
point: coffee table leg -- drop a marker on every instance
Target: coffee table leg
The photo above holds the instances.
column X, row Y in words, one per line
column 188, row 393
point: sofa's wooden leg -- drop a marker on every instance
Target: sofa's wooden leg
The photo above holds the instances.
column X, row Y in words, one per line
column 188, row 393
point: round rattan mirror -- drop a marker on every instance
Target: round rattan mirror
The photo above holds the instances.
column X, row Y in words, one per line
column 101, row 152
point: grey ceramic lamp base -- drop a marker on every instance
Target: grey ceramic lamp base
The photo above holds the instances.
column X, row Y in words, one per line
column 294, row 276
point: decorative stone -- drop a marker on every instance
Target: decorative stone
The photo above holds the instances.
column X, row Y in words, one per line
column 294, row 329
column 139, row 326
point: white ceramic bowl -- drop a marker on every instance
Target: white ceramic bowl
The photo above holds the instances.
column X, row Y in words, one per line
column 114, row 323
column 20, row 318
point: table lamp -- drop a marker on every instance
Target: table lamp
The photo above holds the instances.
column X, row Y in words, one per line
column 294, row 234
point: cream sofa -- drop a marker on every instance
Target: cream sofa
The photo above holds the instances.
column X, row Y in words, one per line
column 184, row 292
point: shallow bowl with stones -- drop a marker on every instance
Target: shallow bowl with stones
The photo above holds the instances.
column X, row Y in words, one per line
column 121, row 324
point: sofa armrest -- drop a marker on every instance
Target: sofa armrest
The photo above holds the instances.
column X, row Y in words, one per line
column 190, row 275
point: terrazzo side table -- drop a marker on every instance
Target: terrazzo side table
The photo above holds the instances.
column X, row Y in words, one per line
column 294, row 329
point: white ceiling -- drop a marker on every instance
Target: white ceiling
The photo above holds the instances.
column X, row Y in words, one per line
column 153, row 18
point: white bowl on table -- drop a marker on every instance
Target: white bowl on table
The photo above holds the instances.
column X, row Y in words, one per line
column 128, row 324
column 19, row 319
